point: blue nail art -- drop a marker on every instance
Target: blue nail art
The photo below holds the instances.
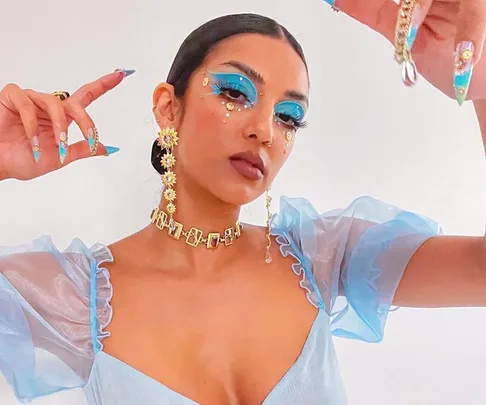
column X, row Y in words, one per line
column 36, row 149
column 126, row 72
column 330, row 2
column 412, row 35
column 63, row 144
column 464, row 64
column 110, row 150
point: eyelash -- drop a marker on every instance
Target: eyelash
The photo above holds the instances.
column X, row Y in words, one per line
column 226, row 87
column 295, row 123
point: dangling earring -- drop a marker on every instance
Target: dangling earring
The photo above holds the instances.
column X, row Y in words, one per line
column 268, row 256
column 168, row 138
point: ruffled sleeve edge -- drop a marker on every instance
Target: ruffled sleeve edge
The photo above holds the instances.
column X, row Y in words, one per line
column 101, row 311
column 306, row 282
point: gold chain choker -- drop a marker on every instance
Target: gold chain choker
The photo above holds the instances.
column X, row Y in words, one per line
column 194, row 237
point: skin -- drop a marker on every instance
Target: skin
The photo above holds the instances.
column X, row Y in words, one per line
column 227, row 337
column 260, row 317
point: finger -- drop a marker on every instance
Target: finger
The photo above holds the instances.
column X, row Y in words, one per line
column 23, row 105
column 471, row 25
column 79, row 150
column 55, row 110
column 85, row 123
column 470, row 38
column 379, row 15
column 90, row 92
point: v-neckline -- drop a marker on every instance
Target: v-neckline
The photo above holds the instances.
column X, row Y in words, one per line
column 285, row 377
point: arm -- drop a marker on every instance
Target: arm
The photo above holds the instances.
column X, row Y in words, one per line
column 447, row 271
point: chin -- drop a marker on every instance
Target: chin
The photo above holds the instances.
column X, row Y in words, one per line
column 239, row 193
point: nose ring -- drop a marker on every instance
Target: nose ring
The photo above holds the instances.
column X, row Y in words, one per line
column 271, row 142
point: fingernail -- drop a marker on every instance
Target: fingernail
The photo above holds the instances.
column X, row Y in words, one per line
column 36, row 149
column 110, row 150
column 93, row 138
column 330, row 2
column 63, row 144
column 126, row 72
column 464, row 64
column 414, row 27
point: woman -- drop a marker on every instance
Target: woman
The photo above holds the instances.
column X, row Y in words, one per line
column 177, row 314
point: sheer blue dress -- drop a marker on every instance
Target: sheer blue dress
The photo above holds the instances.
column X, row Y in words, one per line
column 55, row 305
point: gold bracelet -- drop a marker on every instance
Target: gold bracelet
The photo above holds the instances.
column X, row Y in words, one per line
column 403, row 54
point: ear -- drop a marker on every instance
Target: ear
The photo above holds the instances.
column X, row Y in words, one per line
column 166, row 106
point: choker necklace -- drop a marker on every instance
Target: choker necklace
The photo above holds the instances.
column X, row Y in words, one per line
column 194, row 237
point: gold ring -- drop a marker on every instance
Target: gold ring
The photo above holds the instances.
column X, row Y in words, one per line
column 62, row 95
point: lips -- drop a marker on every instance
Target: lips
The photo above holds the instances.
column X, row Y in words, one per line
column 252, row 158
column 249, row 165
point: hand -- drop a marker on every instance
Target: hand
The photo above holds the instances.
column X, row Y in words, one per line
column 444, row 26
column 34, row 128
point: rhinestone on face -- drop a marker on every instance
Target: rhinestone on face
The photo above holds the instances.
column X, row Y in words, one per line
column 230, row 106
column 228, row 115
column 206, row 81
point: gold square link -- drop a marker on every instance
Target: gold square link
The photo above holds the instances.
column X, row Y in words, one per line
column 177, row 232
column 213, row 240
column 154, row 215
column 194, row 237
column 228, row 236
column 161, row 221
column 237, row 229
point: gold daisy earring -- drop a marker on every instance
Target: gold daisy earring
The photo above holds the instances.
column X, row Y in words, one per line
column 168, row 138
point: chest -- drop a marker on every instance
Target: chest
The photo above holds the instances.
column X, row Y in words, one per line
column 222, row 342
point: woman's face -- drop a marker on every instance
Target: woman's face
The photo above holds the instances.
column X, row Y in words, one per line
column 251, row 91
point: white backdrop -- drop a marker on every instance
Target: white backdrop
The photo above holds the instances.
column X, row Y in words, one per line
column 367, row 135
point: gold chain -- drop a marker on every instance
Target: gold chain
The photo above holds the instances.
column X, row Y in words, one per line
column 403, row 54
column 195, row 237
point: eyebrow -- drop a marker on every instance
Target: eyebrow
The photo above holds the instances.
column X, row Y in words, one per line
column 249, row 71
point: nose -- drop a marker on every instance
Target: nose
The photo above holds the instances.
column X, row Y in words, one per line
column 261, row 127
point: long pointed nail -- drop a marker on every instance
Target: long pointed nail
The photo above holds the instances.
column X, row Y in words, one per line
column 36, row 149
column 126, row 72
column 110, row 150
column 93, row 139
column 417, row 15
column 63, row 144
column 464, row 64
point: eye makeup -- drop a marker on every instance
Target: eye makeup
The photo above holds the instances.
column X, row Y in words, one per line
column 236, row 87
column 290, row 113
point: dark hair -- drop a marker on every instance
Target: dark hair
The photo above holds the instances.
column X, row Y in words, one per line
column 204, row 39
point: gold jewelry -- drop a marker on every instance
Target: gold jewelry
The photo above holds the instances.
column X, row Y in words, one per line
column 288, row 137
column 168, row 138
column 270, row 142
column 268, row 198
column 194, row 237
column 62, row 95
column 403, row 54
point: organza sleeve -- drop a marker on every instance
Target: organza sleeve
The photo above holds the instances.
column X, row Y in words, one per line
column 351, row 260
column 53, row 308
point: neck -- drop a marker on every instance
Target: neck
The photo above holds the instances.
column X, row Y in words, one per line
column 195, row 208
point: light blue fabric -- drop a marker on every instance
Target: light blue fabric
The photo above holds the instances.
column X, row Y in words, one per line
column 55, row 306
